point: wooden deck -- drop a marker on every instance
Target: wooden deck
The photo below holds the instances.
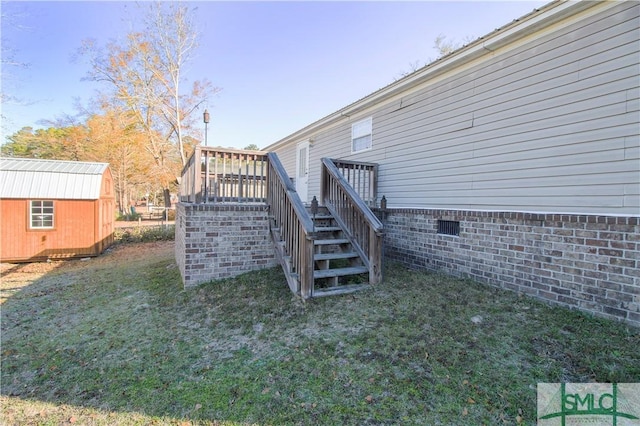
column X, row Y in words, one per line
column 321, row 253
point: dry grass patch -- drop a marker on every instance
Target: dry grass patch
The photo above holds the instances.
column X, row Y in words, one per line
column 117, row 338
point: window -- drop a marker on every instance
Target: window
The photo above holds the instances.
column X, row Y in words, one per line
column 41, row 214
column 449, row 227
column 361, row 133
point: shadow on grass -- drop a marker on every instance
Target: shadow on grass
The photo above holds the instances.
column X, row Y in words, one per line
column 120, row 341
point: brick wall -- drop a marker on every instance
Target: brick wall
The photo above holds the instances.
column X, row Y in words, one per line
column 587, row 262
column 221, row 241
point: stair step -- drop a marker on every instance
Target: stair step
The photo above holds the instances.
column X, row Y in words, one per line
column 335, row 256
column 331, row 242
column 343, row 289
column 321, row 216
column 340, row 272
column 327, row 228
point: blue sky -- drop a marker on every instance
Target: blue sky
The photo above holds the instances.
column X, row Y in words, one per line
column 280, row 65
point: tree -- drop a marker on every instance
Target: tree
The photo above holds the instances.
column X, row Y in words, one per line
column 59, row 143
column 116, row 140
column 252, row 147
column 24, row 144
column 144, row 76
column 443, row 47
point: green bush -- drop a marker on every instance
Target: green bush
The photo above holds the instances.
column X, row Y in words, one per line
column 129, row 217
column 143, row 234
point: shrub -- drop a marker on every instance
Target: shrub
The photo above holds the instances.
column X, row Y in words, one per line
column 129, row 217
column 143, row 234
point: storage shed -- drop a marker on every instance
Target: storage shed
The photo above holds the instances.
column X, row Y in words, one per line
column 52, row 209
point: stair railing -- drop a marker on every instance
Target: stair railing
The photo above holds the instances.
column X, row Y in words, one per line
column 294, row 223
column 363, row 178
column 362, row 227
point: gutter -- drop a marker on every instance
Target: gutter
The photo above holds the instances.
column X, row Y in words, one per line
column 516, row 30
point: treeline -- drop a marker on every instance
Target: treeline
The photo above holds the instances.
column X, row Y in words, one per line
column 112, row 137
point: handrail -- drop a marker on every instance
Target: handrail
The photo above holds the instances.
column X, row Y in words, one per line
column 294, row 224
column 362, row 177
column 223, row 174
column 361, row 226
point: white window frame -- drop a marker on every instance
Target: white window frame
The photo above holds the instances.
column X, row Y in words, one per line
column 362, row 131
column 44, row 209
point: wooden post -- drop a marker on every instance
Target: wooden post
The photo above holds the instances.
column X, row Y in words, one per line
column 375, row 257
column 306, row 272
column 197, row 175
column 206, row 177
column 374, row 184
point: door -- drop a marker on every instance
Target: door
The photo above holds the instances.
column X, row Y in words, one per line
column 302, row 170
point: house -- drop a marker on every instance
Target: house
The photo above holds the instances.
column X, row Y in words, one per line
column 514, row 161
column 54, row 209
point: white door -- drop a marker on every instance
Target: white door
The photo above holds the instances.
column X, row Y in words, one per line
column 302, row 170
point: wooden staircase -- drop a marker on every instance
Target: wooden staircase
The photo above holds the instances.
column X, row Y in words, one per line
column 338, row 268
column 324, row 251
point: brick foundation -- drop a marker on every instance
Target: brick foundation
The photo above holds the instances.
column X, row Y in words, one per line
column 590, row 263
column 221, row 241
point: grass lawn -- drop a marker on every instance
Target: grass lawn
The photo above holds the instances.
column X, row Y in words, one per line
column 116, row 340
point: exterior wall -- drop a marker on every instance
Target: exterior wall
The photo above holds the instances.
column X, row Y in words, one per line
column 106, row 213
column 532, row 145
column 545, row 124
column 221, row 241
column 73, row 235
column 590, row 263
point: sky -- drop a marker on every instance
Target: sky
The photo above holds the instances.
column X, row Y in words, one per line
column 280, row 65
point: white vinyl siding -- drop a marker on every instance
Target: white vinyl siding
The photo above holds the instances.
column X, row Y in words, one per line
column 288, row 159
column 41, row 214
column 542, row 132
column 362, row 135
column 548, row 126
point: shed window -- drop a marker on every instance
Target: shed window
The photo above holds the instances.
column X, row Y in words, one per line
column 41, row 214
column 361, row 135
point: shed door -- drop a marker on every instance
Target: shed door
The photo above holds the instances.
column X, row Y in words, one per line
column 302, row 170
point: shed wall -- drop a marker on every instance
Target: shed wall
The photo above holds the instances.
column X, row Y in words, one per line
column 550, row 125
column 75, row 233
column 105, row 220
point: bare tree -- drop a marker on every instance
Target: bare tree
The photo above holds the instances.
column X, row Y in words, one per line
column 145, row 74
column 169, row 44
column 443, row 46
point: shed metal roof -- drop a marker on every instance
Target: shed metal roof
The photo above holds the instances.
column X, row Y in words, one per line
column 50, row 179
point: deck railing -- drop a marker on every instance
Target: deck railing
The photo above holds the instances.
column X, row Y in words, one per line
column 294, row 226
column 363, row 178
column 224, row 175
column 348, row 208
